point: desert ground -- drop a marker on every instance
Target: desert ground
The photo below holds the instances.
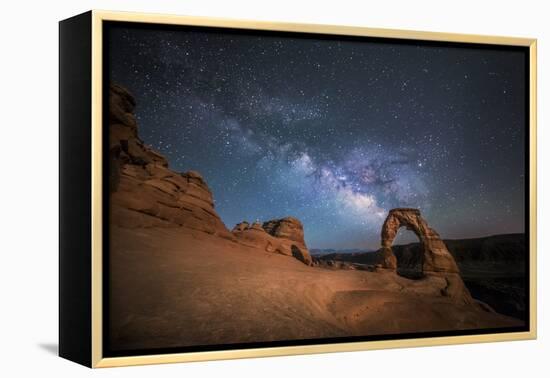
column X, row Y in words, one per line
column 173, row 287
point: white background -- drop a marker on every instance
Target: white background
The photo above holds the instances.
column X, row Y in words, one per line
column 29, row 188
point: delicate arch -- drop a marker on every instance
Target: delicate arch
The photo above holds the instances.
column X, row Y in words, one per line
column 436, row 257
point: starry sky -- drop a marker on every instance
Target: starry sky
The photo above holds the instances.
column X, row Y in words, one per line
column 334, row 131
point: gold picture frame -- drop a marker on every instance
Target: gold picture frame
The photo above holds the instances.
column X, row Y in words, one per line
column 94, row 24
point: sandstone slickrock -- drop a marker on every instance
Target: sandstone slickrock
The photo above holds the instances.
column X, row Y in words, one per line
column 284, row 236
column 199, row 296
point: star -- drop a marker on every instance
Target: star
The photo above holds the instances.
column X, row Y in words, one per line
column 333, row 132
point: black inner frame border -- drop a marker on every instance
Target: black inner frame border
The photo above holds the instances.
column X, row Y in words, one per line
column 109, row 352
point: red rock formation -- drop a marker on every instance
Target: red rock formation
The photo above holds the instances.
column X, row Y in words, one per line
column 437, row 260
column 288, row 228
column 241, row 226
column 284, row 236
column 144, row 191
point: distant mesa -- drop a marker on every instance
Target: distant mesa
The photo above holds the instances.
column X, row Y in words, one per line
column 284, row 236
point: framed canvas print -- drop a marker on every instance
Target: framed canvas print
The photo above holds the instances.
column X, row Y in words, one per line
column 235, row 189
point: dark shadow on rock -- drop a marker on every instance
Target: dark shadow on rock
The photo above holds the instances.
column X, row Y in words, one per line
column 298, row 254
column 52, row 348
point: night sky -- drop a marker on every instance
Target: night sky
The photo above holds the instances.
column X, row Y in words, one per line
column 335, row 133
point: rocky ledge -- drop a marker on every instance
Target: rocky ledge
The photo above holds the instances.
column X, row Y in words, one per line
column 284, row 236
column 145, row 192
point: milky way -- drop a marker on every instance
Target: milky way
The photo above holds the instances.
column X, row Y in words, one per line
column 334, row 132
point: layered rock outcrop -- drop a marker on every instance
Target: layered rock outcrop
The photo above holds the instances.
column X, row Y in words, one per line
column 284, row 236
column 144, row 191
column 287, row 228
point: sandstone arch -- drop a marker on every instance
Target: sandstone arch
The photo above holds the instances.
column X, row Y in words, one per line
column 436, row 257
